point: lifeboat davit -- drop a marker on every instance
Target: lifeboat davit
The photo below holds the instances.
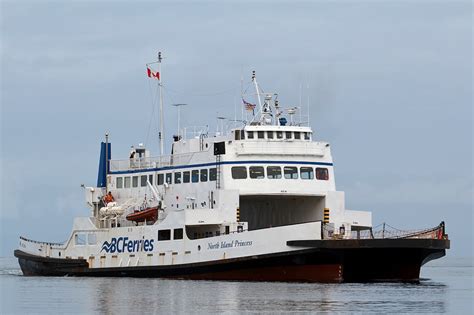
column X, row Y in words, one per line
column 148, row 214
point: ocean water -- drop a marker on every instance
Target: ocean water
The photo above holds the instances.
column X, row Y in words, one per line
column 446, row 287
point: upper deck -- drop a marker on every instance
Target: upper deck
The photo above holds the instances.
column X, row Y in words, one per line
column 263, row 141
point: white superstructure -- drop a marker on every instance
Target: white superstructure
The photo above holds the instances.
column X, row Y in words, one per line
column 225, row 196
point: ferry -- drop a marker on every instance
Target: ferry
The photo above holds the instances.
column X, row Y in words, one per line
column 255, row 202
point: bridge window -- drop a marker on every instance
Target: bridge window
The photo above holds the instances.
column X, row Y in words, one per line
column 261, row 134
column 257, row 172
column 322, row 173
column 288, row 134
column 213, row 174
column 239, row 172
column 195, row 176
column 150, row 179
column 161, row 179
column 204, row 175
column 177, row 178
column 80, row 239
column 306, row 135
column 135, row 181
column 274, row 172
column 290, row 172
column 279, row 134
column 186, row 177
column 164, row 235
column 249, row 134
column 178, row 234
column 306, row 173
column 92, row 239
column 143, row 179
column 297, row 135
column 119, row 182
column 269, row 134
column 169, row 178
column 237, row 134
column 126, row 182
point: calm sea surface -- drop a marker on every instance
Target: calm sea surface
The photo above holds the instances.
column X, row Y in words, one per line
column 447, row 286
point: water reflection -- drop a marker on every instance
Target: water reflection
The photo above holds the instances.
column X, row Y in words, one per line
column 112, row 295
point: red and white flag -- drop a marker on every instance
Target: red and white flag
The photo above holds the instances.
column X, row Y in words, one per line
column 152, row 74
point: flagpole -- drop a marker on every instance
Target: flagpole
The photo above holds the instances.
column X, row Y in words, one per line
column 160, row 84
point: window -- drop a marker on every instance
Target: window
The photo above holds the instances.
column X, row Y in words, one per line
column 288, row 134
column 274, row 172
column 297, row 135
column 177, row 178
column 249, row 134
column 322, row 173
column 91, row 239
column 135, row 181
column 204, row 175
column 239, row 172
column 195, row 176
column 150, row 179
column 306, row 173
column 279, row 134
column 161, row 179
column 186, row 177
column 270, row 134
column 242, row 134
column 143, row 180
column 169, row 178
column 80, row 239
column 178, row 234
column 126, row 182
column 306, row 135
column 290, row 172
column 256, row 172
column 213, row 174
column 119, row 182
column 261, row 134
column 237, row 134
column 164, row 235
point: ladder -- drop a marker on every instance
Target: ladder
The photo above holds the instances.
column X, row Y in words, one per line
column 218, row 171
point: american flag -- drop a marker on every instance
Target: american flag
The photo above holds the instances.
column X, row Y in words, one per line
column 249, row 106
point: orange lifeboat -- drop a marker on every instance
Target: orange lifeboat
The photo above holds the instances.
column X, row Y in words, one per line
column 148, row 214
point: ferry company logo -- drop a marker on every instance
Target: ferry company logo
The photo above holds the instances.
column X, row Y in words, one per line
column 123, row 245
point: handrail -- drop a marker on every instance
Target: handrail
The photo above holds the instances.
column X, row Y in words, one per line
column 151, row 162
column 39, row 242
column 436, row 232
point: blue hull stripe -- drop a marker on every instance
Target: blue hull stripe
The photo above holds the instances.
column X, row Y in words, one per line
column 167, row 168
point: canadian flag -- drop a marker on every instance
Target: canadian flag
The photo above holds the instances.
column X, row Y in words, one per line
column 152, row 74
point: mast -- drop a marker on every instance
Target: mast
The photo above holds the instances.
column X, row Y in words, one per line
column 160, row 84
column 254, row 79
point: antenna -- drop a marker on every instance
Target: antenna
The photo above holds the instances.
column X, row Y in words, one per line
column 221, row 120
column 178, row 106
column 160, row 84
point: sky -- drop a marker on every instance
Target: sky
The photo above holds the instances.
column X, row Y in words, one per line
column 389, row 85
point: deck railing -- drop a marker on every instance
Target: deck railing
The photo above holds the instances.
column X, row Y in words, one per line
column 150, row 162
column 385, row 231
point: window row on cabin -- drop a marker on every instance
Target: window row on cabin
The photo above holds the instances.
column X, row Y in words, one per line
column 275, row 172
column 296, row 135
column 165, row 235
column 193, row 176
